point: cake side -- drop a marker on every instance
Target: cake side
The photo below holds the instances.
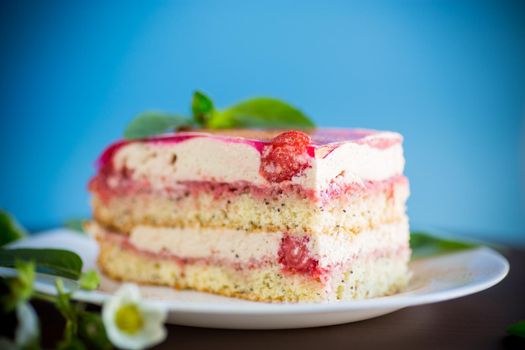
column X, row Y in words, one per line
column 261, row 215
column 261, row 266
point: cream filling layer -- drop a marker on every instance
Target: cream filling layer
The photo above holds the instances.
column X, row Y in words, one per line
column 245, row 247
column 340, row 247
column 215, row 159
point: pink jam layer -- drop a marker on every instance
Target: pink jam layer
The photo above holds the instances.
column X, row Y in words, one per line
column 260, row 138
column 293, row 257
column 337, row 190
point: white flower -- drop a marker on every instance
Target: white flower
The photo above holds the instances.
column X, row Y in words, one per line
column 130, row 323
column 27, row 332
column 28, row 329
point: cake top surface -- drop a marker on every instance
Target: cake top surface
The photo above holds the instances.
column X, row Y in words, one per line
column 310, row 159
column 319, row 137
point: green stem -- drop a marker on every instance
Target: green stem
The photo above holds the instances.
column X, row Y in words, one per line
column 44, row 297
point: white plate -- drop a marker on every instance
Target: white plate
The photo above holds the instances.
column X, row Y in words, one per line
column 434, row 279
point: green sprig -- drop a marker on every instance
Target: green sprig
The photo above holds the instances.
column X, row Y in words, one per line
column 10, row 229
column 58, row 262
column 15, row 293
column 84, row 329
column 517, row 329
column 425, row 245
column 153, row 123
column 89, row 280
column 261, row 112
column 18, row 290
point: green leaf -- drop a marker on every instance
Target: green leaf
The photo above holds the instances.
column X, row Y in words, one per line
column 72, row 344
column 25, row 278
column 89, row 280
column 57, row 262
column 84, row 329
column 517, row 329
column 153, row 123
column 262, row 112
column 202, row 108
column 10, row 229
column 75, row 224
column 92, row 332
column 18, row 289
column 424, row 245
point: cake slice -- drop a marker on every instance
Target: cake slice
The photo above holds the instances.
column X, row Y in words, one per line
column 268, row 215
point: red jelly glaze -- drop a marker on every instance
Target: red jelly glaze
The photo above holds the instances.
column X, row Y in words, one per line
column 294, row 256
column 318, row 138
column 286, row 156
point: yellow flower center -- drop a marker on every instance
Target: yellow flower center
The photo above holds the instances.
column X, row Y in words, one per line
column 128, row 319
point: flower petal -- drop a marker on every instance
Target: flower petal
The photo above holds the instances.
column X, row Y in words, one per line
column 153, row 330
column 28, row 331
column 129, row 292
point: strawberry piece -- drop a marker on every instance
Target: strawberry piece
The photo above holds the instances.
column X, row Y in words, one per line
column 294, row 256
column 297, row 139
column 285, row 157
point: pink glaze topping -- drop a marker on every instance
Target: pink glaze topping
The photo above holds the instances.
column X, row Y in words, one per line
column 261, row 138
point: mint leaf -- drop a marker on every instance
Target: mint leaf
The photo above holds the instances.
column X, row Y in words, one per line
column 154, row 123
column 517, row 329
column 57, row 262
column 89, row 280
column 262, row 112
column 10, row 229
column 424, row 245
column 202, row 108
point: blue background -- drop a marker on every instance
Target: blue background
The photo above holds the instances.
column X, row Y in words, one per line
column 449, row 75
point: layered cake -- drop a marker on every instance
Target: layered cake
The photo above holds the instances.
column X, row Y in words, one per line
column 267, row 215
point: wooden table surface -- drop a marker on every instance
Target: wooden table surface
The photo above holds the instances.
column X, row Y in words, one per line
column 473, row 322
